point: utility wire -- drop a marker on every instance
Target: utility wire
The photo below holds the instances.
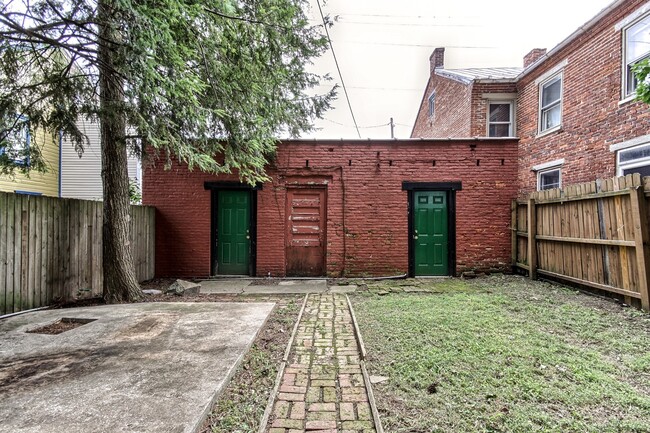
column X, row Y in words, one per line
column 401, row 89
column 371, row 23
column 347, row 97
column 418, row 45
column 435, row 17
column 355, row 126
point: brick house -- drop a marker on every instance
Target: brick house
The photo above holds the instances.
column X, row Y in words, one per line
column 342, row 208
column 575, row 113
column 456, row 101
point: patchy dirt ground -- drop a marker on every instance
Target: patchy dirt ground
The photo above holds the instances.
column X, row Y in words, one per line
column 241, row 407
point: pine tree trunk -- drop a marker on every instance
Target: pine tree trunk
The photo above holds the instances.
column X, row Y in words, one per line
column 120, row 282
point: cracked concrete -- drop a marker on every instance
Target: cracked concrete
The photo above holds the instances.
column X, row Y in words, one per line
column 150, row 367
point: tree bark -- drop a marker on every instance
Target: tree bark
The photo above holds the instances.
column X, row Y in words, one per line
column 120, row 282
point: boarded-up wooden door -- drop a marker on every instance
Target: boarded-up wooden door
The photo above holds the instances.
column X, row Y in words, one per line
column 306, row 231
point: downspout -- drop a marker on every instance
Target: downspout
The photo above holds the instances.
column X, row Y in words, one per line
column 60, row 160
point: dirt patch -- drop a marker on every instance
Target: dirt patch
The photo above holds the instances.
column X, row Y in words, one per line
column 34, row 372
column 60, row 326
column 265, row 282
column 241, row 407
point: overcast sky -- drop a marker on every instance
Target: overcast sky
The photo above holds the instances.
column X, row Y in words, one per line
column 383, row 49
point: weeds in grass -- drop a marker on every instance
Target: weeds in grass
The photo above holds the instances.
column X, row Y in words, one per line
column 507, row 355
column 241, row 407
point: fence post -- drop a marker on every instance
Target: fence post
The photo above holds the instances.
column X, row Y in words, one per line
column 513, row 225
column 532, row 232
column 641, row 244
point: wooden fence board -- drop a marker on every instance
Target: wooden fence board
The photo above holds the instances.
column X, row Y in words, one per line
column 595, row 234
column 3, row 250
column 51, row 249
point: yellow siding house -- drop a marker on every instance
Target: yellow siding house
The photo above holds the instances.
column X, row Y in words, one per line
column 37, row 183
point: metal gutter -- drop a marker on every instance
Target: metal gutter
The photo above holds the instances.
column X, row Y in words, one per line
column 573, row 36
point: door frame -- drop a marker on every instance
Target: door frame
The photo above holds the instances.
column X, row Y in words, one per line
column 214, row 188
column 450, row 189
column 287, row 225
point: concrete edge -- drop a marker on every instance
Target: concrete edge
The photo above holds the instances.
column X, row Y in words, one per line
column 217, row 393
column 364, row 371
column 287, row 351
column 274, row 393
column 18, row 313
column 361, row 346
column 371, row 398
column 283, row 365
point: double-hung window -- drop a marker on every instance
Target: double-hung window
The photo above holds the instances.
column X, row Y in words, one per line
column 634, row 160
column 637, row 47
column 15, row 139
column 432, row 104
column 500, row 116
column 550, row 103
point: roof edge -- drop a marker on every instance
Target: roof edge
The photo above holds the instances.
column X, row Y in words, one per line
column 453, row 76
column 573, row 36
column 391, row 140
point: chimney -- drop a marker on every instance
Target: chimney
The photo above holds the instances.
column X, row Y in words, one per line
column 533, row 56
column 437, row 59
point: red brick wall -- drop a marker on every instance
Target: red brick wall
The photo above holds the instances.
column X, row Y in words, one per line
column 452, row 110
column 480, row 105
column 367, row 222
column 592, row 118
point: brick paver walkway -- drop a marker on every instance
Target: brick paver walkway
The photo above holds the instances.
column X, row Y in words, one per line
column 322, row 389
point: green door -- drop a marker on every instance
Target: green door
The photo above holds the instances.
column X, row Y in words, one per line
column 431, row 233
column 233, row 233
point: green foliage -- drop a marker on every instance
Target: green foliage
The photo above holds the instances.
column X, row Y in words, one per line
column 642, row 70
column 215, row 77
column 135, row 195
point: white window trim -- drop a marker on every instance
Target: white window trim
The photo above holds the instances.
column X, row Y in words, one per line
column 511, row 131
column 549, row 170
column 547, row 165
column 629, row 22
column 546, row 168
column 643, row 139
column 630, row 164
column 546, row 76
column 540, row 131
column 494, row 97
column 431, row 113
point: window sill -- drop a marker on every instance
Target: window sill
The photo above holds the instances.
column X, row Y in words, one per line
column 627, row 100
column 549, row 131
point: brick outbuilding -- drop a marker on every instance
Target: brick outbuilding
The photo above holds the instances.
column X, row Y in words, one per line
column 342, row 208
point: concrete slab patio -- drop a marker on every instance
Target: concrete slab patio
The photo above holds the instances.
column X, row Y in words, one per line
column 151, row 367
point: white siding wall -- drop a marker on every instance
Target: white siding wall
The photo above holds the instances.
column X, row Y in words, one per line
column 81, row 177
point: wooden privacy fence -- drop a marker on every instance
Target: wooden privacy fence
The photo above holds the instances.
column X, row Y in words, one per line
column 594, row 234
column 51, row 249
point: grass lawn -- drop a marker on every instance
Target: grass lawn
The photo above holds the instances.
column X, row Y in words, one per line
column 504, row 354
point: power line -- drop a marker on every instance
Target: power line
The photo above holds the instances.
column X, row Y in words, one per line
column 417, row 45
column 376, row 23
column 401, row 89
column 355, row 126
column 345, row 90
column 435, row 17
